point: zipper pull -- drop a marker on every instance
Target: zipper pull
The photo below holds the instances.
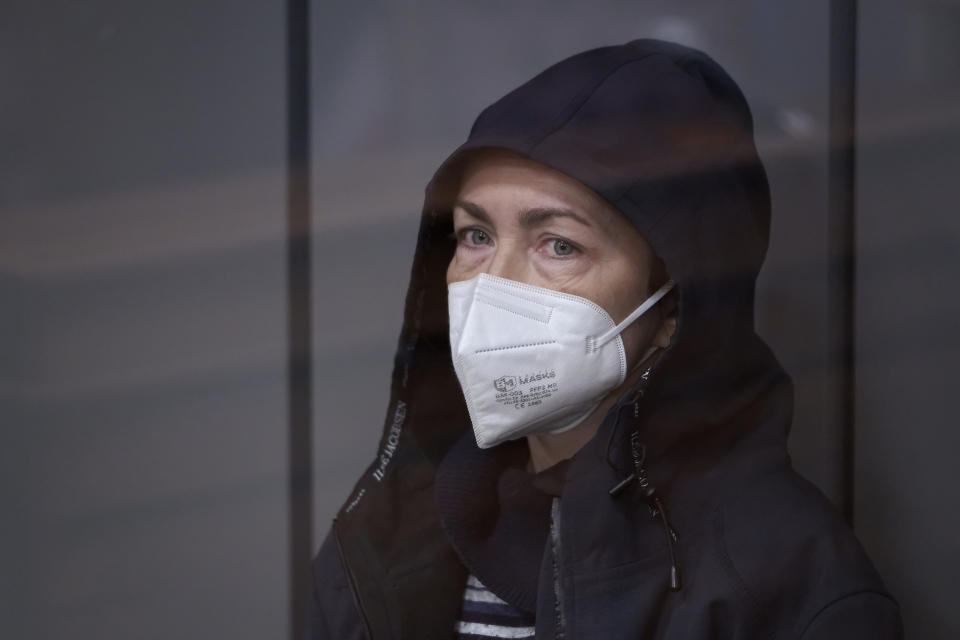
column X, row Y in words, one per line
column 672, row 538
column 657, row 508
column 619, row 488
column 638, row 453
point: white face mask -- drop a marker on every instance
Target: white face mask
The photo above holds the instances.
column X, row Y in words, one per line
column 533, row 360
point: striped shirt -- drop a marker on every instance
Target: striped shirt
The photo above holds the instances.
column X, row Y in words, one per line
column 484, row 615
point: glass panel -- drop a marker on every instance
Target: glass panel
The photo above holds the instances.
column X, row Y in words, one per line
column 908, row 261
column 143, row 323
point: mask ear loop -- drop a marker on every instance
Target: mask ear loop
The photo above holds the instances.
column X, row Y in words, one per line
column 594, row 344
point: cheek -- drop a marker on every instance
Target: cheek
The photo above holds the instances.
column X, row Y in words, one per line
column 639, row 337
column 622, row 288
column 465, row 263
column 560, row 270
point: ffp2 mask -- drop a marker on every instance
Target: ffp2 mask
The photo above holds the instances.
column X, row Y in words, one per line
column 530, row 359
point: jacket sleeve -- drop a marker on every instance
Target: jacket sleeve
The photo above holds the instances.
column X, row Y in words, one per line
column 866, row 614
column 332, row 612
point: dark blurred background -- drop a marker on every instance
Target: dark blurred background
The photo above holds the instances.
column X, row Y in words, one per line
column 144, row 347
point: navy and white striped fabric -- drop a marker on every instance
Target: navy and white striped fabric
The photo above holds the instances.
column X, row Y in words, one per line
column 484, row 615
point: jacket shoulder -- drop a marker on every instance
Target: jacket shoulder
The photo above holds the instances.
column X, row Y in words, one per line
column 799, row 562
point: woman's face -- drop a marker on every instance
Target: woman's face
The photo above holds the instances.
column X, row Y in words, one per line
column 517, row 219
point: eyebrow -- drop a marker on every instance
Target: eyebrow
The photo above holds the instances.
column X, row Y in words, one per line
column 528, row 217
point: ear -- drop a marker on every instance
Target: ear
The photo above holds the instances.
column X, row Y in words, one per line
column 665, row 332
column 668, row 324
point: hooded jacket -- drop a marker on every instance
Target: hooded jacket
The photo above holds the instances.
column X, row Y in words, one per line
column 682, row 517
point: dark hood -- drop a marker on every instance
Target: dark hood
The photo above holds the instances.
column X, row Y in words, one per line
column 663, row 134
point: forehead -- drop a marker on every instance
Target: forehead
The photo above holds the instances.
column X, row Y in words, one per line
column 510, row 182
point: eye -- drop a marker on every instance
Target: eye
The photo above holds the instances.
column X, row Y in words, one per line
column 561, row 247
column 477, row 236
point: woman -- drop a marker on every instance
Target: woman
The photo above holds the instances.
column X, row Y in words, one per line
column 586, row 437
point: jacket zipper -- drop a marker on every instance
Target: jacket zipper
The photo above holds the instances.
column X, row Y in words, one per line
column 555, row 549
